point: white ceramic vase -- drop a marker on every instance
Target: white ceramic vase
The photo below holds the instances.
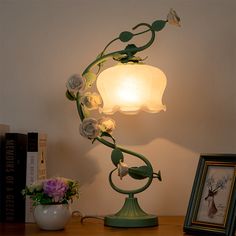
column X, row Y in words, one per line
column 52, row 217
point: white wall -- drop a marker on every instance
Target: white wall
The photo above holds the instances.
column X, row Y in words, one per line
column 44, row 42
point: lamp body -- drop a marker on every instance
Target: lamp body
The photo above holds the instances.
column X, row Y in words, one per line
column 131, row 215
column 131, row 87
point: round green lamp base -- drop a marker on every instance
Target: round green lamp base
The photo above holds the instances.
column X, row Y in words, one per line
column 131, row 222
column 131, row 216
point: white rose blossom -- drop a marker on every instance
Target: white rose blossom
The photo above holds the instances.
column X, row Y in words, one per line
column 37, row 186
column 173, row 18
column 76, row 83
column 91, row 100
column 106, row 124
column 123, row 169
column 89, row 128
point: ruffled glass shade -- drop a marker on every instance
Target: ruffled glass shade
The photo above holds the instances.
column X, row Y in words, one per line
column 131, row 87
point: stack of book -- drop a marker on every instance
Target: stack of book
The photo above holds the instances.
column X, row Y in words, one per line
column 22, row 162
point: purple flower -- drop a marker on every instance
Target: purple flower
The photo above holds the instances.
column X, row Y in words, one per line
column 55, row 188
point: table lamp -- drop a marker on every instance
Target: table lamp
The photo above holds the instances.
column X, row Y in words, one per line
column 128, row 87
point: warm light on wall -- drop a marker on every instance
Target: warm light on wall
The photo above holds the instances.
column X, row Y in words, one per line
column 131, row 87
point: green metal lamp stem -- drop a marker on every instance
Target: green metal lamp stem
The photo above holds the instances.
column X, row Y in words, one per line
column 131, row 214
column 79, row 108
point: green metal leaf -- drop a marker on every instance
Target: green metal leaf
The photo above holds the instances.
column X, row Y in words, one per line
column 136, row 59
column 117, row 156
column 70, row 95
column 141, row 172
column 118, row 57
column 131, row 47
column 90, row 78
column 158, row 25
column 125, row 36
column 157, row 175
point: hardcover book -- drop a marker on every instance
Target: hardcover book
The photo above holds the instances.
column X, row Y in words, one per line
column 3, row 129
column 35, row 167
column 14, row 177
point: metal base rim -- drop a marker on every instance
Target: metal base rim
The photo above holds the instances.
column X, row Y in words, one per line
column 131, row 222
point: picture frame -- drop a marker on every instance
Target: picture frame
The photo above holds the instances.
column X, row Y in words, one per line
column 212, row 205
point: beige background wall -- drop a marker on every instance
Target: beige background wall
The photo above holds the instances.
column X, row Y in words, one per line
column 44, row 42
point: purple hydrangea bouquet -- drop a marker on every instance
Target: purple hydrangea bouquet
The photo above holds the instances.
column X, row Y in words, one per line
column 58, row 190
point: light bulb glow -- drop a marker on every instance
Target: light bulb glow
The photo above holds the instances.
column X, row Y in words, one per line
column 129, row 88
column 129, row 91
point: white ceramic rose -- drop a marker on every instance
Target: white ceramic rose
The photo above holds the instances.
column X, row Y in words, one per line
column 89, row 128
column 173, row 18
column 123, row 169
column 106, row 124
column 76, row 83
column 91, row 100
column 38, row 186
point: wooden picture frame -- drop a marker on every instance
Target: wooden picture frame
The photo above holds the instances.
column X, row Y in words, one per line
column 212, row 205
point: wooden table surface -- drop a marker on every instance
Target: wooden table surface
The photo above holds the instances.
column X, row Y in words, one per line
column 168, row 226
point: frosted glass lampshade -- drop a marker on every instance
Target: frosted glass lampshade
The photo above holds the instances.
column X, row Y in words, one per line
column 131, row 87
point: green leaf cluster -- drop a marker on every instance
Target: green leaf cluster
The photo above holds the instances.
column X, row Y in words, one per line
column 73, row 190
column 38, row 196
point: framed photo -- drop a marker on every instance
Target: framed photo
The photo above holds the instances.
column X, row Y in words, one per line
column 212, row 205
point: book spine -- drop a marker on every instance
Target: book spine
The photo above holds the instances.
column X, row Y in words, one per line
column 14, row 177
column 36, row 167
column 3, row 130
